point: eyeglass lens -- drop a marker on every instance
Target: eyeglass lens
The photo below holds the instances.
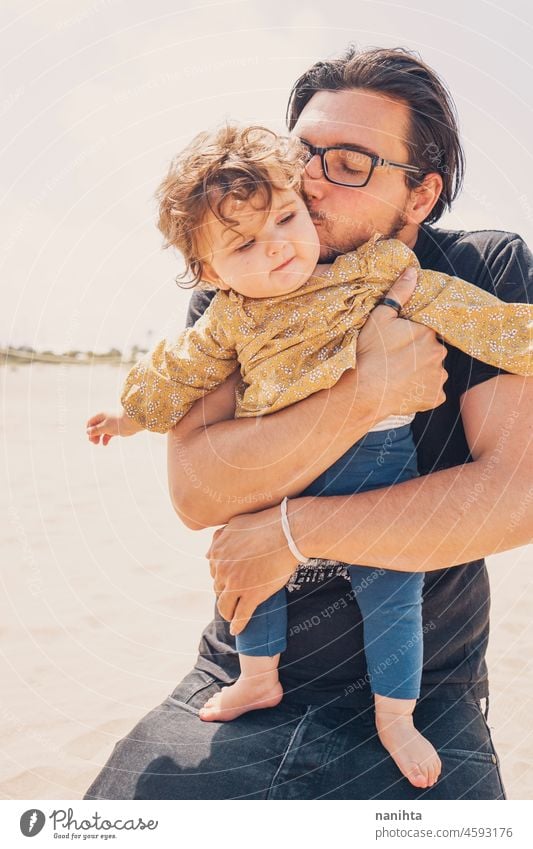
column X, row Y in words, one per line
column 348, row 166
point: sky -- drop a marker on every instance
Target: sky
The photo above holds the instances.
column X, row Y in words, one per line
column 98, row 95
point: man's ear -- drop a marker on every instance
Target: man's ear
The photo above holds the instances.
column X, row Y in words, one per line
column 424, row 197
column 210, row 276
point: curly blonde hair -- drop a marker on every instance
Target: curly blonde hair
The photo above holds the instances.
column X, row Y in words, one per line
column 232, row 163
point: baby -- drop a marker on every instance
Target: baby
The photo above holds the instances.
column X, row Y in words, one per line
column 232, row 205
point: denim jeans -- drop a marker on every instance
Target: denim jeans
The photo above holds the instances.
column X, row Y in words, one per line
column 292, row 752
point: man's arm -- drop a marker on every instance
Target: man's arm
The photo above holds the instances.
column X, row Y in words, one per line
column 220, row 467
column 446, row 518
column 428, row 523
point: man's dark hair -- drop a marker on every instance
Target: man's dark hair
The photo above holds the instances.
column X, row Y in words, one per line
column 433, row 140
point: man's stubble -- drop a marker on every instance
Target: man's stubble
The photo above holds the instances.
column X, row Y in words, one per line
column 333, row 246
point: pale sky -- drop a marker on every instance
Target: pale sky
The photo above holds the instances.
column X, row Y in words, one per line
column 98, row 95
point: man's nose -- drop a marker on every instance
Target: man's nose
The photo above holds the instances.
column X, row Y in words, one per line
column 313, row 167
column 314, row 181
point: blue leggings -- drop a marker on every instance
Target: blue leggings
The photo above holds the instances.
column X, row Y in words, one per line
column 390, row 602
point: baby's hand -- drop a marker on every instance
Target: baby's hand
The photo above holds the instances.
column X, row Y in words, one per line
column 107, row 426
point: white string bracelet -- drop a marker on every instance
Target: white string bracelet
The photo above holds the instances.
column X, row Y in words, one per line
column 301, row 558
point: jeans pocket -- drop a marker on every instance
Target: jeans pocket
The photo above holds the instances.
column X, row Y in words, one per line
column 195, row 689
column 469, row 775
column 463, row 755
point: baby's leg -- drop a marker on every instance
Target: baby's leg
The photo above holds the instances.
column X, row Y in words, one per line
column 259, row 647
column 257, row 687
column 412, row 753
column 391, row 606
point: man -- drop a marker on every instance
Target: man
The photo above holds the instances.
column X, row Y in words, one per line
column 320, row 741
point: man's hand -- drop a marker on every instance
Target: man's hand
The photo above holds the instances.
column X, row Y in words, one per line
column 249, row 561
column 107, row 426
column 399, row 362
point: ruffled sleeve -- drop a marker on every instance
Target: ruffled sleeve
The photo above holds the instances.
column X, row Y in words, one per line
column 162, row 387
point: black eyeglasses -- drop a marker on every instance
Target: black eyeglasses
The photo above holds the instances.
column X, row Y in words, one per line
column 348, row 166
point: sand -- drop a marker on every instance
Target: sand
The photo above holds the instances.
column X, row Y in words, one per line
column 105, row 593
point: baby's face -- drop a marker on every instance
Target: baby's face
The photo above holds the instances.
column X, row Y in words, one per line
column 264, row 254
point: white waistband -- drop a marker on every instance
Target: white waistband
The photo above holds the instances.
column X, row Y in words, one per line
column 391, row 423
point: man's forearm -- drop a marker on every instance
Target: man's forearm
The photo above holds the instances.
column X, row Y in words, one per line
column 448, row 517
column 244, row 465
column 428, row 523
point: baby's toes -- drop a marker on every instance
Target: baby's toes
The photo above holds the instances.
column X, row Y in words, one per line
column 418, row 776
column 436, row 770
column 207, row 712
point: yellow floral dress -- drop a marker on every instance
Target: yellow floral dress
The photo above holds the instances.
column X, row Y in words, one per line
column 290, row 346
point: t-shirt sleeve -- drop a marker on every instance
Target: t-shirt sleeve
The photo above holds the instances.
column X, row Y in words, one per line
column 503, row 267
column 200, row 300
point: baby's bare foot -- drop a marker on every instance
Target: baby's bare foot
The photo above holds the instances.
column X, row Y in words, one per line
column 414, row 756
column 255, row 693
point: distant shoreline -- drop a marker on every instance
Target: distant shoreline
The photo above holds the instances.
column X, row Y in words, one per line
column 24, row 356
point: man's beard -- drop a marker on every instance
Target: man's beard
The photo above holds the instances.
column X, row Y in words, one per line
column 331, row 248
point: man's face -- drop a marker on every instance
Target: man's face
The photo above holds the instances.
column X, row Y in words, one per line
column 346, row 217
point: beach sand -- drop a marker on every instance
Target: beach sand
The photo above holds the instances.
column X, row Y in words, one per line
column 105, row 593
